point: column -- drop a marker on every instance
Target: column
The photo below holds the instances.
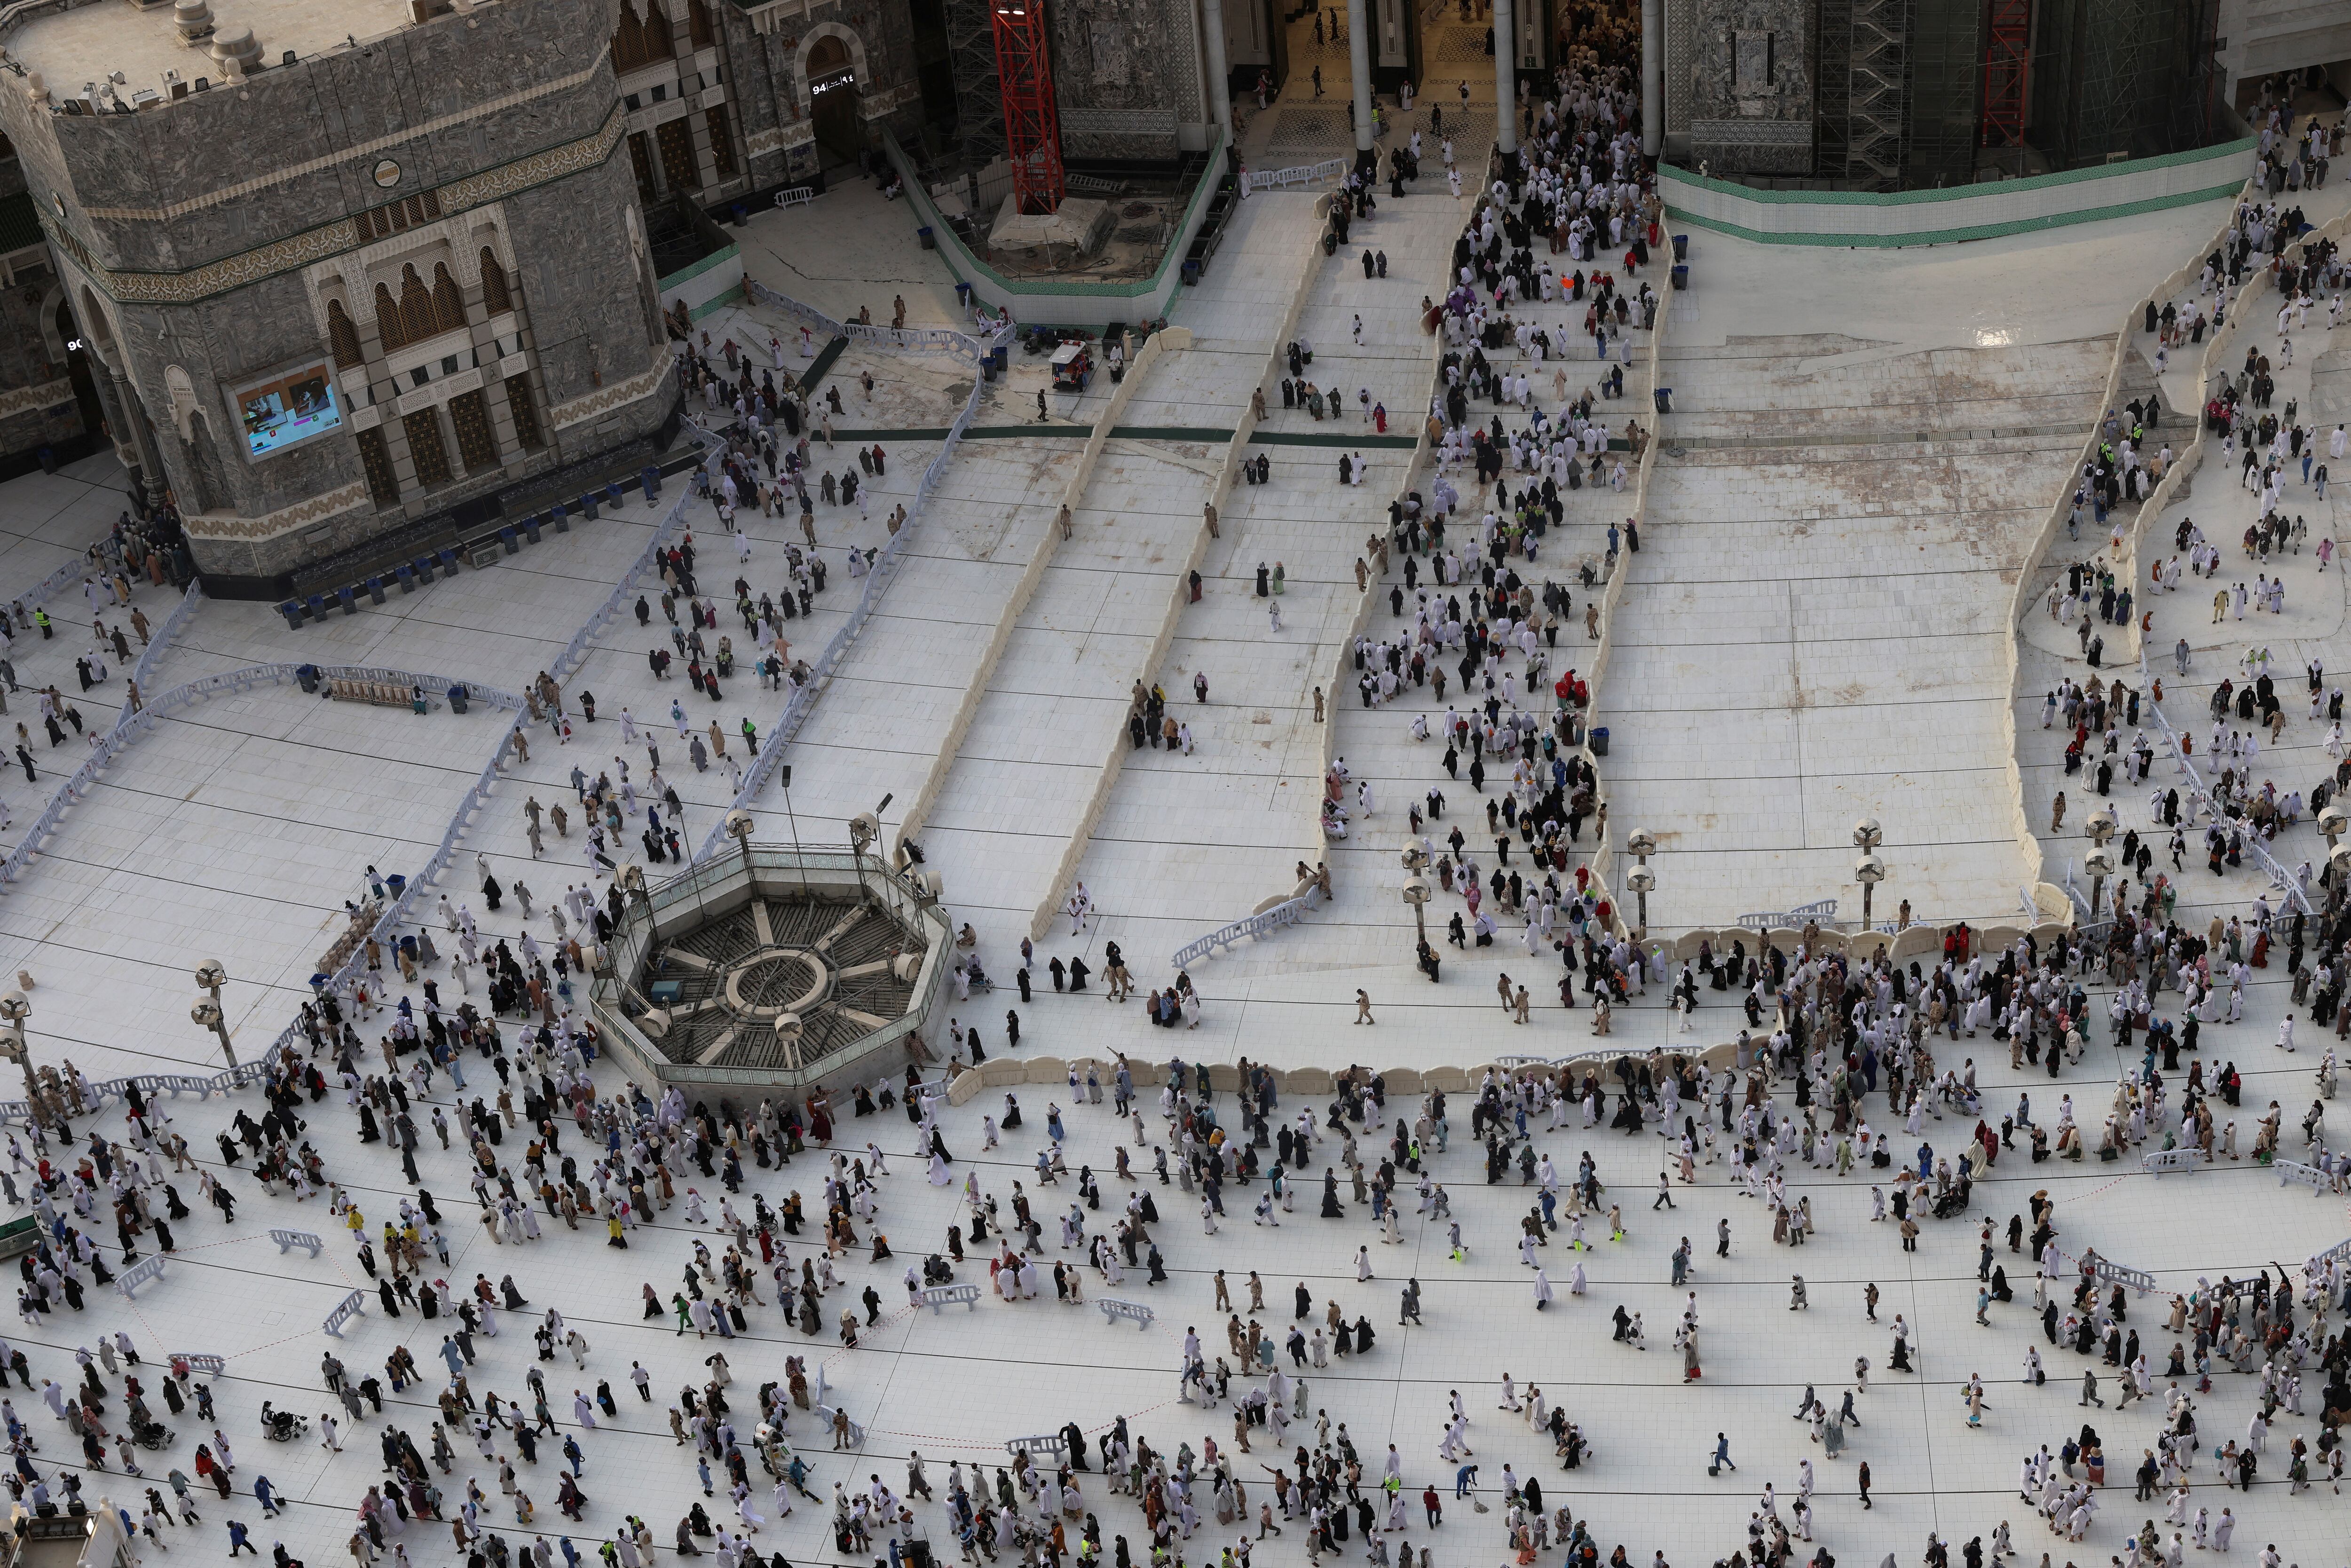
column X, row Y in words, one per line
column 1652, row 77
column 1506, row 80
column 1359, row 64
column 1220, row 76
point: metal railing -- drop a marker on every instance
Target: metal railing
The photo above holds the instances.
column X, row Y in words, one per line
column 2280, row 878
column 943, row 339
column 799, row 195
column 148, row 1085
column 1822, row 910
column 1289, row 912
column 150, row 656
column 804, row 694
column 1302, row 174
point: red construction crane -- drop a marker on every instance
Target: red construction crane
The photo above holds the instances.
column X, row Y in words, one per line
column 2007, row 58
column 1032, row 129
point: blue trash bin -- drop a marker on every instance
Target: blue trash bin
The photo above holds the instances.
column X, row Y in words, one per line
column 449, row 561
column 1681, row 247
column 1665, row 400
column 292, row 610
column 1600, row 740
column 530, row 527
column 649, row 478
column 395, row 884
column 318, row 607
column 375, row 589
column 512, row 542
column 406, row 577
column 1681, row 274
column 560, row 516
column 588, row 505
column 962, row 296
column 348, row 600
column 1003, row 358
column 308, row 675
column 1191, row 273
column 612, row 496
column 456, row 699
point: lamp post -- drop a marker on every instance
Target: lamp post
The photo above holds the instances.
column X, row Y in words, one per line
column 13, row 1011
column 210, row 977
column 738, row 826
column 1868, row 870
column 1416, row 893
column 2101, row 825
column 1643, row 843
column 2332, row 821
column 2100, row 864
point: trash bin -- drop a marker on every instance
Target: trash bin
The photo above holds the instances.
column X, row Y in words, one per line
column 507, row 538
column 1681, row 247
column 449, row 561
column 308, row 675
column 929, row 240
column 1665, row 400
column 375, row 589
column 742, row 215
column 1681, row 274
column 292, row 610
column 395, row 884
column 318, row 608
column 348, row 600
column 456, row 699
column 987, row 367
column 561, row 517
column 406, row 577
column 530, row 527
column 1003, row 358
column 962, row 296
column 649, row 478
column 1191, row 274
column 612, row 496
column 588, row 505
column 1599, row 740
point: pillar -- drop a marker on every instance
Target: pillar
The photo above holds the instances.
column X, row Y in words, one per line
column 1220, row 76
column 1506, row 80
column 1652, row 77
column 1359, row 66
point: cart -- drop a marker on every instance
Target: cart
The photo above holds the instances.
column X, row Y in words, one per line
column 1073, row 366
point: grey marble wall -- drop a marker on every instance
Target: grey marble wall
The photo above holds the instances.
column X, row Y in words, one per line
column 1748, row 84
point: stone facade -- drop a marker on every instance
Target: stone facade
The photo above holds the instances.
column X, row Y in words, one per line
column 1127, row 78
column 39, row 404
column 1743, row 87
column 442, row 219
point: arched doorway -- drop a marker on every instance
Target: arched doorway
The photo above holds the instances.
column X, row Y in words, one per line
column 832, row 87
column 85, row 381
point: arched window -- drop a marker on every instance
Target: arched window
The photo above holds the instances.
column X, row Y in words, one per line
column 387, row 320
column 448, row 300
column 343, row 337
column 659, row 45
column 628, row 40
column 495, row 301
column 415, row 306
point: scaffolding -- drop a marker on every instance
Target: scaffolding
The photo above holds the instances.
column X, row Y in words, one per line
column 1875, row 101
column 979, row 97
column 2126, row 59
column 2194, row 107
column 1832, row 112
column 2007, row 64
column 1032, row 130
column 1943, row 65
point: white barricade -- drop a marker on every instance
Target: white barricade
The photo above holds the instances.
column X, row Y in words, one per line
column 856, row 1433
column 213, row 1364
column 289, row 1239
column 2290, row 1172
column 1113, row 1309
column 1053, row 1446
column 937, row 1296
column 138, row 1274
column 2112, row 1273
column 351, row 1307
column 2186, row 1158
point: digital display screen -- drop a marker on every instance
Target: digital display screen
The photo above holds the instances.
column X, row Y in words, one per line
column 284, row 410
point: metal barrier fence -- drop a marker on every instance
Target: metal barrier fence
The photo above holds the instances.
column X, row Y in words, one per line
column 940, row 340
column 150, row 1085
column 803, row 696
column 1302, row 174
column 1822, row 910
column 799, row 195
column 2280, row 878
column 1289, row 912
column 174, row 623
